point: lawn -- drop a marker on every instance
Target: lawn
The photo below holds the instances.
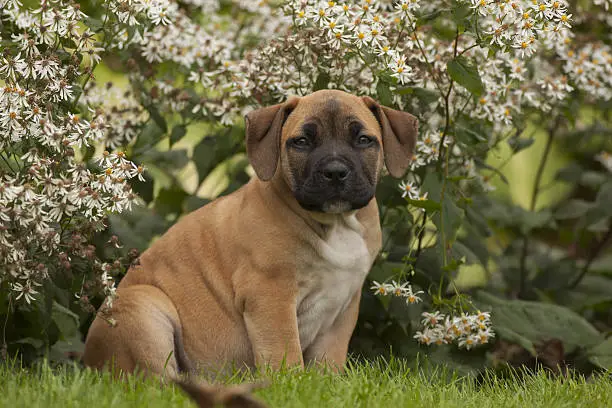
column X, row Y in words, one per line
column 363, row 385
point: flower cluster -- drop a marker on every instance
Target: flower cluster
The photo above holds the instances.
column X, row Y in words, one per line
column 395, row 289
column 519, row 24
column 51, row 202
column 467, row 330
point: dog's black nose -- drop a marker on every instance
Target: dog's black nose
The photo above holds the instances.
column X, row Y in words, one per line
column 335, row 171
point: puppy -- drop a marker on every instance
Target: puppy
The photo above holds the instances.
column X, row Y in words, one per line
column 272, row 273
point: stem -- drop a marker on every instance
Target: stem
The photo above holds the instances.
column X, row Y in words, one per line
column 536, row 189
column 447, row 108
column 467, row 49
column 592, row 256
column 4, row 348
column 421, row 235
column 7, row 163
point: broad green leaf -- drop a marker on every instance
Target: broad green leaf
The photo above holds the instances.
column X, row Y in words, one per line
column 601, row 354
column 465, row 74
column 592, row 290
column 513, row 337
column 537, row 321
column 67, row 321
column 573, row 209
column 177, row 133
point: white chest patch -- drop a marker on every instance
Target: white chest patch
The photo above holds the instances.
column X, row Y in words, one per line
column 329, row 280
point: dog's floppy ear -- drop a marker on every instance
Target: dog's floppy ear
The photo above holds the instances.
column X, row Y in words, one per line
column 399, row 135
column 263, row 134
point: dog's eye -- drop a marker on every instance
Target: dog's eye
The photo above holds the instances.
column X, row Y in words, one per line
column 364, row 141
column 301, row 142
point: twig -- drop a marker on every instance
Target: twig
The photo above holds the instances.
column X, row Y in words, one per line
column 536, row 189
column 592, row 256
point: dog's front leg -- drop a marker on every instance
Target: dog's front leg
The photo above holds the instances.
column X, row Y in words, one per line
column 330, row 348
column 271, row 323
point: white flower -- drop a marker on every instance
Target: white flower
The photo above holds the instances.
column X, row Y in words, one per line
column 413, row 297
column 409, row 189
column 381, row 288
column 432, row 319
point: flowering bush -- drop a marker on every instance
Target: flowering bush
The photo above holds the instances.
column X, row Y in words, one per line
column 481, row 75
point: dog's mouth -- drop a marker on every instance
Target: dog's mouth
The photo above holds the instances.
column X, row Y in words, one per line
column 334, row 202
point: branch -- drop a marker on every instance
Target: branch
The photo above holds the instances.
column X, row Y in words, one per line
column 536, row 189
column 592, row 256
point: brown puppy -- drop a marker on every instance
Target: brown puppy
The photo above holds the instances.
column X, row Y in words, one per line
column 273, row 272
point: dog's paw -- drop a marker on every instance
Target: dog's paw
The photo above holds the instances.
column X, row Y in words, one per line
column 233, row 396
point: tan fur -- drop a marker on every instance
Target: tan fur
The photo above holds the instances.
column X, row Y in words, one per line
column 245, row 280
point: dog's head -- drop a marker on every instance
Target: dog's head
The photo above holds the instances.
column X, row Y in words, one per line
column 330, row 147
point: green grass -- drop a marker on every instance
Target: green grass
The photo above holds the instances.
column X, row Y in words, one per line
column 375, row 385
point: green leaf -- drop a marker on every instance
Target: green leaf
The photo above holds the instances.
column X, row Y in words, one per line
column 169, row 160
column 574, row 208
column 604, row 197
column 517, row 143
column 469, row 136
column 422, row 94
column 465, row 74
column 192, row 203
column 385, row 97
column 592, row 290
column 593, row 179
column 170, row 200
column 601, row 354
column 177, row 134
column 156, row 116
column 537, row 321
column 322, row 81
column 461, row 12
column 149, row 135
column 571, row 173
column 67, row 321
column 513, row 337
column 531, row 220
column 429, row 205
